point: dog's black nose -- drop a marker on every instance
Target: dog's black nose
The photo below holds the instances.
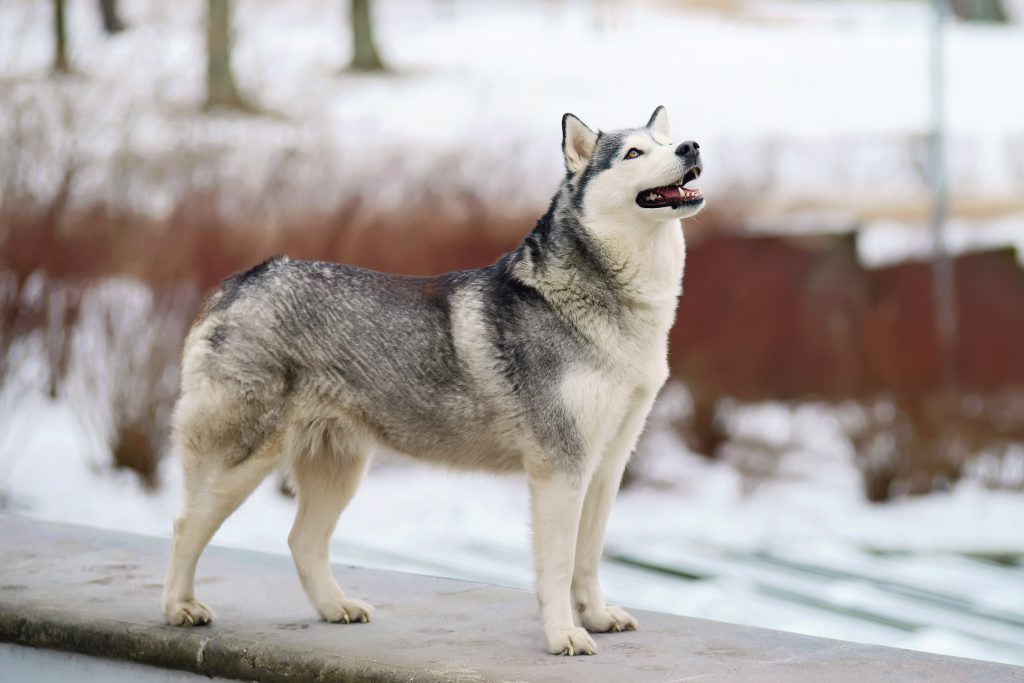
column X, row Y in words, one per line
column 689, row 150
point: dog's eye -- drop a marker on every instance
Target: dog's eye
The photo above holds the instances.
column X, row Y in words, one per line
column 633, row 153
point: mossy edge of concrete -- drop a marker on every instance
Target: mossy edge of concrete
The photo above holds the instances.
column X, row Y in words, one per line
column 204, row 650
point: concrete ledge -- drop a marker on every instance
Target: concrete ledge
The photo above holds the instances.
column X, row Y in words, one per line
column 97, row 593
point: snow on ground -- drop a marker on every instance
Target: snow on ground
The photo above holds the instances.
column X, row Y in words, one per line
column 885, row 242
column 801, row 552
column 793, row 102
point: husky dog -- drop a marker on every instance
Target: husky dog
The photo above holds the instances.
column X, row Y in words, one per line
column 547, row 361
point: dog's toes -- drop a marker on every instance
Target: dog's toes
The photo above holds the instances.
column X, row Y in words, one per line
column 613, row 619
column 624, row 621
column 570, row 642
column 188, row 613
column 346, row 611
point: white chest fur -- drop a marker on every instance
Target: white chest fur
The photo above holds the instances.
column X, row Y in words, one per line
column 649, row 260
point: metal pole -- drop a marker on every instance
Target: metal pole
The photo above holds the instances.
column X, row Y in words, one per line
column 943, row 284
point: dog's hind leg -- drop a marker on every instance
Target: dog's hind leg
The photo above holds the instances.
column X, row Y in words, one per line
column 555, row 503
column 325, row 483
column 214, row 489
column 587, row 596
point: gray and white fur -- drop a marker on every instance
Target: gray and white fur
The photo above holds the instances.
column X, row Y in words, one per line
column 547, row 361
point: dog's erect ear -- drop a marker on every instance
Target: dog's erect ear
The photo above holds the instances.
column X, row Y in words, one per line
column 659, row 122
column 578, row 143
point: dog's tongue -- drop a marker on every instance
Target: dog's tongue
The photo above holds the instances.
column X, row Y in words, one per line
column 669, row 192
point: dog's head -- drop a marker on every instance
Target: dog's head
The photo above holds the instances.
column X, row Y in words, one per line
column 634, row 173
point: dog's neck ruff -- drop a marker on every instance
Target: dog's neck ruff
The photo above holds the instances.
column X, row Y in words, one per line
column 646, row 259
column 627, row 276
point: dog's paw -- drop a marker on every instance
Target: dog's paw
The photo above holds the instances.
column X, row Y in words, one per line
column 610, row 619
column 187, row 613
column 570, row 642
column 346, row 611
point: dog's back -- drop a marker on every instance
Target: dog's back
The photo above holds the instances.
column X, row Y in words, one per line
column 433, row 367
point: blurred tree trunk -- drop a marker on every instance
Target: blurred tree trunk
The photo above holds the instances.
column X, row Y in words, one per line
column 111, row 19
column 60, row 39
column 220, row 80
column 980, row 10
column 364, row 50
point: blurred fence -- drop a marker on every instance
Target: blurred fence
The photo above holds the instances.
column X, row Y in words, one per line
column 787, row 318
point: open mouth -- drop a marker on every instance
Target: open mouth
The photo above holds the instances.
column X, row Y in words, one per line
column 673, row 196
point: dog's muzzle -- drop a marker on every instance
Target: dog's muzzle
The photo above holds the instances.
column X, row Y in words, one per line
column 677, row 195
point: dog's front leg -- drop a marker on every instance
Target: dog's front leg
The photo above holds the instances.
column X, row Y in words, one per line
column 555, row 503
column 587, row 596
